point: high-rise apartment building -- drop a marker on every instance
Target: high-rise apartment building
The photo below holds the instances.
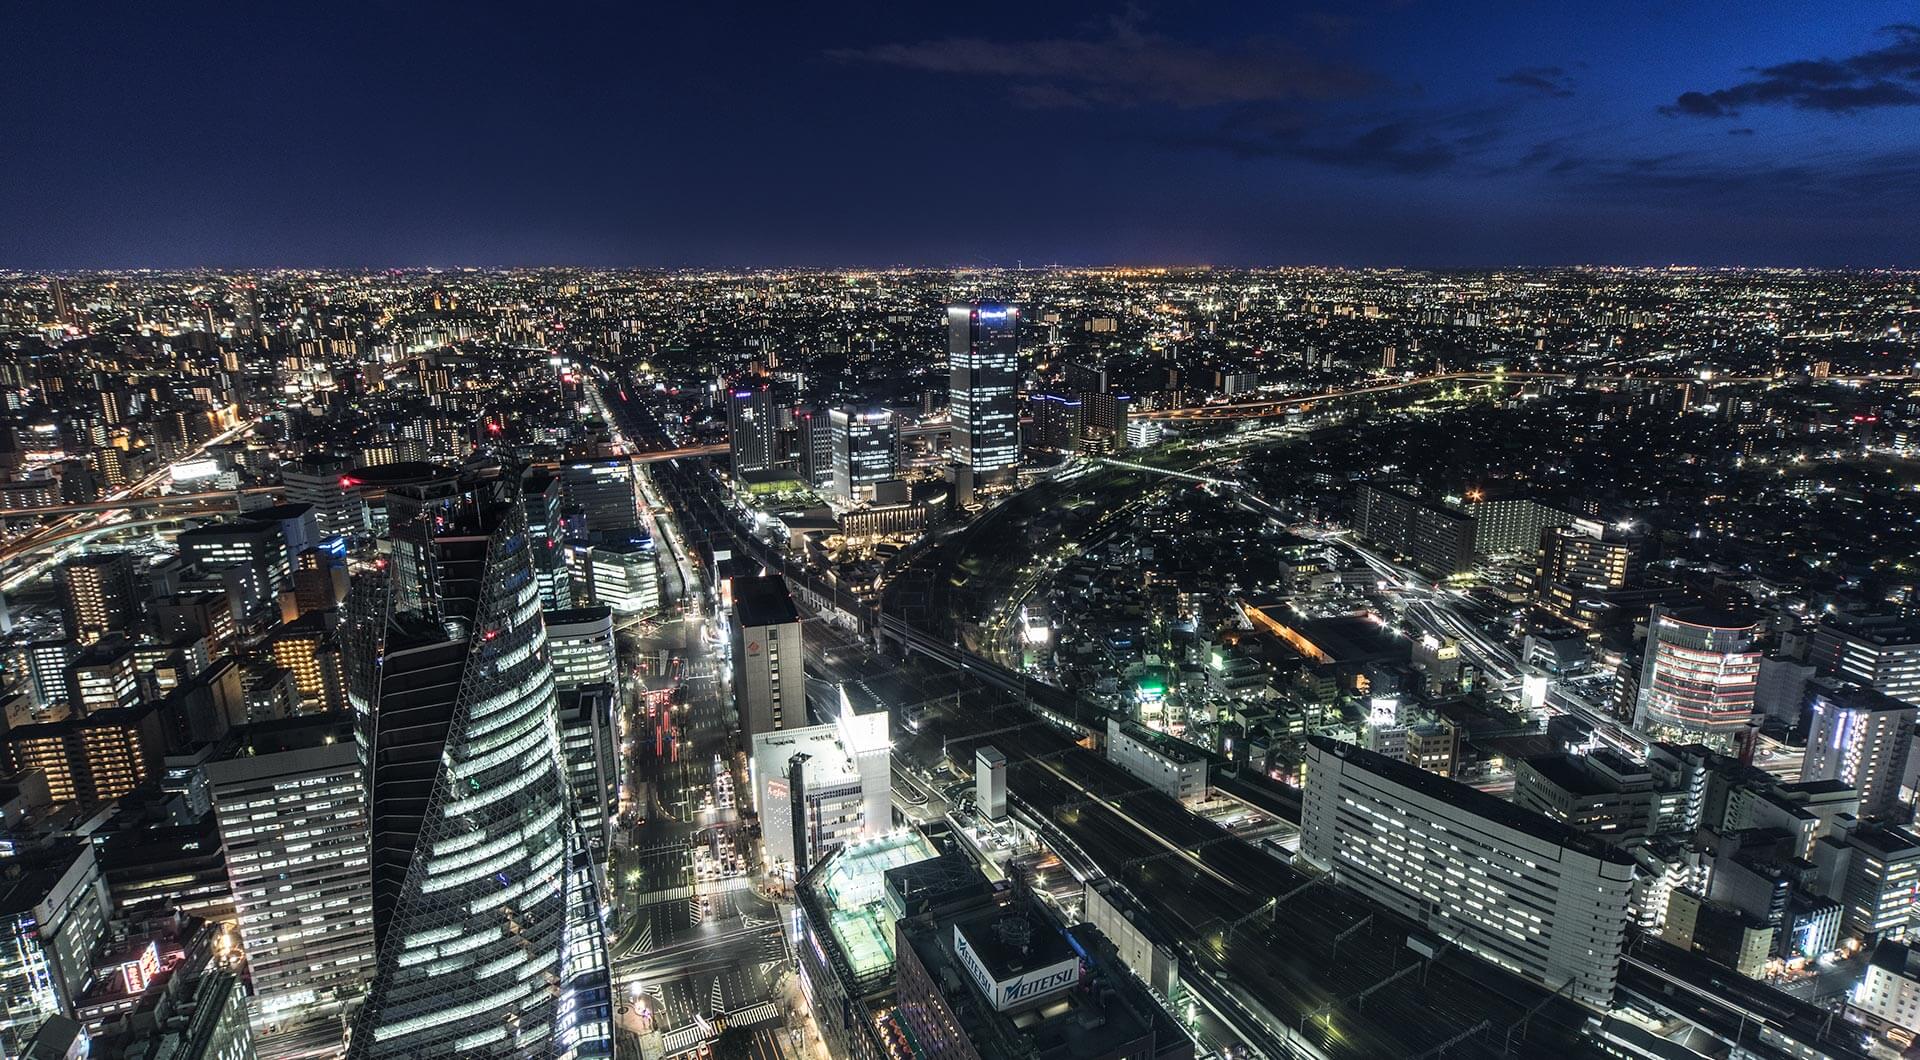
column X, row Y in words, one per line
column 1504, row 525
column 769, row 675
column 1883, row 654
column 752, row 438
column 486, row 927
column 1698, row 677
column 1059, row 422
column 98, row 592
column 865, row 444
column 1436, row 538
column 984, row 371
column 291, row 800
column 1860, row 737
column 1509, row 885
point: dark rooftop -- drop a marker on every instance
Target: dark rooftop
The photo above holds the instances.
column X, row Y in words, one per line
column 763, row 601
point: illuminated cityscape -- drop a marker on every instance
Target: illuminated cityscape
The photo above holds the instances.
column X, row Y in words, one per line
column 942, row 574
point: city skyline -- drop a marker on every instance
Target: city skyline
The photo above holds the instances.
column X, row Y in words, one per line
column 1376, row 134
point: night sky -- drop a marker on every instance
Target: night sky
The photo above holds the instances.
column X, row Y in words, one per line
column 711, row 133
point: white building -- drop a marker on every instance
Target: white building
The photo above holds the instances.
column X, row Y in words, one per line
column 624, row 577
column 1512, row 886
column 820, row 786
column 1887, row 998
column 990, row 783
column 580, row 640
column 1158, row 760
column 1861, row 738
column 290, row 798
column 769, row 664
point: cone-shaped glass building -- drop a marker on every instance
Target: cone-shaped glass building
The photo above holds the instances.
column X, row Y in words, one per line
column 486, row 918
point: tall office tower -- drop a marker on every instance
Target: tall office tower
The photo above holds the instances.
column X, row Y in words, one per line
column 865, row 447
column 1059, row 421
column 1698, row 678
column 814, row 446
column 1883, row 654
column 325, row 480
column 769, row 667
column 605, row 490
column 751, row 428
column 291, row 801
column 984, row 370
column 1860, row 737
column 542, row 490
column 1507, row 884
column 586, row 731
column 99, row 595
column 1436, row 538
column 580, row 641
column 488, row 940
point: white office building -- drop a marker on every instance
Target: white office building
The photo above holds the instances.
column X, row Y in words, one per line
column 820, row 786
column 291, row 800
column 625, row 577
column 1170, row 767
column 1512, row 886
column 580, row 641
column 1861, row 738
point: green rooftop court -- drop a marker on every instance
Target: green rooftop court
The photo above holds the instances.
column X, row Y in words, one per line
column 851, row 886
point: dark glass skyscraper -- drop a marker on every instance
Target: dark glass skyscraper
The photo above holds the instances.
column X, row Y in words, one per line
column 984, row 371
column 488, row 933
column 751, row 436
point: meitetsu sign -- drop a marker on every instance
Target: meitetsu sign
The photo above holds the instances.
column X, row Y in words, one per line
column 1021, row 990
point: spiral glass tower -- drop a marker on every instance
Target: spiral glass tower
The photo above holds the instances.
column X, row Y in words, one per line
column 486, row 920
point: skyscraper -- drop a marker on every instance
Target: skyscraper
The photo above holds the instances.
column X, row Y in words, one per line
column 864, row 448
column 984, row 370
column 542, row 491
column 751, row 427
column 1698, row 678
column 489, row 939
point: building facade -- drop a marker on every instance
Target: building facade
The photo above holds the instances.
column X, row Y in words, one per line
column 1513, row 887
column 984, row 371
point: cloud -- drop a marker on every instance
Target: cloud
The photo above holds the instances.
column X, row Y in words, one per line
column 1886, row 76
column 1403, row 144
column 1126, row 66
column 1547, row 80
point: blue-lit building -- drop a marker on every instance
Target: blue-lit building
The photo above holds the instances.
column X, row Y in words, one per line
column 984, row 371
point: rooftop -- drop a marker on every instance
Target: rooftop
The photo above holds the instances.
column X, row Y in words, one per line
column 1467, row 798
column 763, row 601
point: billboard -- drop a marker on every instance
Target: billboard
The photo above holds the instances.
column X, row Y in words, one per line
column 1033, row 985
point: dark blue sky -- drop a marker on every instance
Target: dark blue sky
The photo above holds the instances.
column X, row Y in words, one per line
column 1357, row 132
